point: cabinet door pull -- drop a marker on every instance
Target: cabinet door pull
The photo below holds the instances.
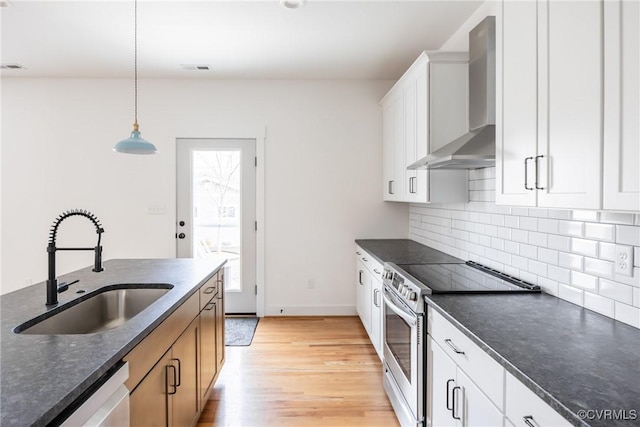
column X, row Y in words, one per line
column 453, row 347
column 209, row 290
column 175, row 387
column 526, row 174
column 360, row 276
column 537, row 170
column 527, row 420
column 209, row 306
column 453, row 410
column 178, row 381
column 376, row 302
column 449, row 407
column 391, row 187
column 412, row 185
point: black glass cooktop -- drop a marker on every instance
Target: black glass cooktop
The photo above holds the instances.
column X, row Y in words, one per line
column 470, row 277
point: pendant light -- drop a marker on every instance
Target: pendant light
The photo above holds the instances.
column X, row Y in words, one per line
column 135, row 144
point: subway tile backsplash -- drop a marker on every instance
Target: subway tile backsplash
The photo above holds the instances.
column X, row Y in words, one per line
column 569, row 254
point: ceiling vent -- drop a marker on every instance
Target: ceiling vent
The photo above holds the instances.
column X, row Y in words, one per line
column 12, row 67
column 195, row 67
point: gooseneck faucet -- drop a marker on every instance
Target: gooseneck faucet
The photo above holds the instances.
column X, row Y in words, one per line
column 52, row 282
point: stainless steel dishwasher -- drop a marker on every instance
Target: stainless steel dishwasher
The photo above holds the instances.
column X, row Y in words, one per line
column 108, row 406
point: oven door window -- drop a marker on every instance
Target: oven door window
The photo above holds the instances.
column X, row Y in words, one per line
column 398, row 338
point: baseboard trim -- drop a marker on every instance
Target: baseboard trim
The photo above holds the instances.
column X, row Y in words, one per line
column 330, row 310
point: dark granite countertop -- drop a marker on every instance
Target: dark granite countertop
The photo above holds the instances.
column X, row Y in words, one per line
column 573, row 358
column 41, row 375
column 404, row 251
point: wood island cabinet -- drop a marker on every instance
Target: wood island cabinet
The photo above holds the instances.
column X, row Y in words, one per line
column 173, row 370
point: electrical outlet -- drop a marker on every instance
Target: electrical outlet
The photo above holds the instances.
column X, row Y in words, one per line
column 624, row 260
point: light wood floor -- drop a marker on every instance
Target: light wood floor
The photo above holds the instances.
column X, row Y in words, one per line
column 301, row 371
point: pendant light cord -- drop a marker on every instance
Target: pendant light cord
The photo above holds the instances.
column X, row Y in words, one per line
column 135, row 62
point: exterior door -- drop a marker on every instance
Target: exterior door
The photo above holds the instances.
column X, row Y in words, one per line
column 216, row 211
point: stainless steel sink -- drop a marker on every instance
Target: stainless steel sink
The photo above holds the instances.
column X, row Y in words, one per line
column 105, row 309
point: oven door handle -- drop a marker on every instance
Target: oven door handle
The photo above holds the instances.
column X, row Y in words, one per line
column 407, row 318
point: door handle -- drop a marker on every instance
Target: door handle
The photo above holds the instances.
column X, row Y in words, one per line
column 360, row 276
column 175, row 387
column 453, row 410
column 537, row 172
column 391, row 187
column 526, row 174
column 178, row 381
column 449, row 407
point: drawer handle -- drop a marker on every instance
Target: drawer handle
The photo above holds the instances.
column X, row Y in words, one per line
column 375, row 270
column 209, row 306
column 454, row 411
column 453, row 347
column 449, row 407
column 358, row 253
column 209, row 290
column 527, row 420
column 364, row 259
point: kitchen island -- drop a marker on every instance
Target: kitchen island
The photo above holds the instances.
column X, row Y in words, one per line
column 42, row 375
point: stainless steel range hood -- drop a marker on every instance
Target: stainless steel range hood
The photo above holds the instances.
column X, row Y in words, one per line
column 477, row 148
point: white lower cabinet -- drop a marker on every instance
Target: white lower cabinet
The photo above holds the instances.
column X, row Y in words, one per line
column 456, row 399
column 466, row 387
column 525, row 409
column 369, row 296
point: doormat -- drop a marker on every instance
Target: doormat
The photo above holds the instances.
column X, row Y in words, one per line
column 238, row 331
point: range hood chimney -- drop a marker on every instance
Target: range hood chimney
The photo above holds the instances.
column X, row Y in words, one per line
column 477, row 148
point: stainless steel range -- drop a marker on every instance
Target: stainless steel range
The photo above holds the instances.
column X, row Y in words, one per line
column 404, row 323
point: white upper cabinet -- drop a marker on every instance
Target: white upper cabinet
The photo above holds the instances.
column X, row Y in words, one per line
column 392, row 146
column 570, row 99
column 516, row 101
column 549, row 104
column 567, row 133
column 622, row 105
column 424, row 110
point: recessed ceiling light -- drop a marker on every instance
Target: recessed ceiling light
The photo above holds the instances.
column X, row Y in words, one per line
column 293, row 4
column 12, row 67
column 196, row 67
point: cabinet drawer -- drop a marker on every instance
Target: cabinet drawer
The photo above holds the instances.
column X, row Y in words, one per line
column 522, row 403
column 369, row 262
column 478, row 365
column 208, row 290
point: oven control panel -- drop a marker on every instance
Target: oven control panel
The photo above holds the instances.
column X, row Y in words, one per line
column 403, row 287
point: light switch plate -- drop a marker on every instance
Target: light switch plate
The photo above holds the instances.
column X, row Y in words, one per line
column 624, row 260
column 156, row 210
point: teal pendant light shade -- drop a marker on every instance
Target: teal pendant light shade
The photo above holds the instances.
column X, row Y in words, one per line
column 135, row 144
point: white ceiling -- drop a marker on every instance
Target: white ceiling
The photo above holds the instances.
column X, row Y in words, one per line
column 238, row 39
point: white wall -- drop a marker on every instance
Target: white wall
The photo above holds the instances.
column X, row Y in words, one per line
column 322, row 182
